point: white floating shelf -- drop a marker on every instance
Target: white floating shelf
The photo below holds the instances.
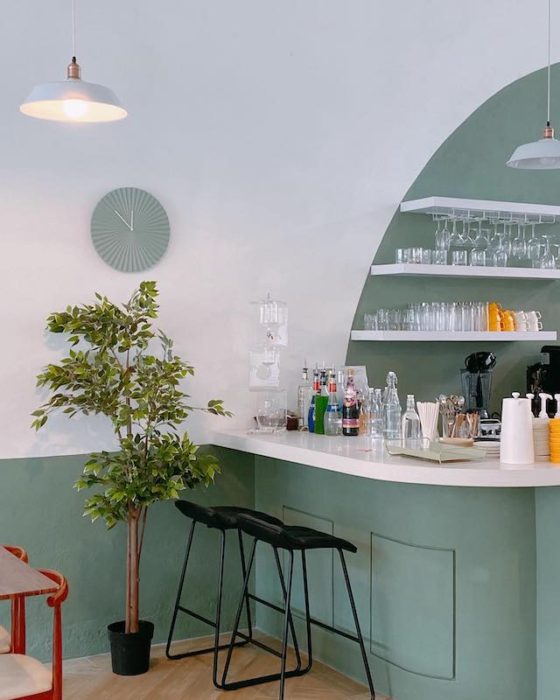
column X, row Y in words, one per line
column 456, row 207
column 413, row 270
column 453, row 336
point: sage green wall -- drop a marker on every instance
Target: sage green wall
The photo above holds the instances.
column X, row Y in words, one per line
column 444, row 579
column 470, row 163
column 40, row 511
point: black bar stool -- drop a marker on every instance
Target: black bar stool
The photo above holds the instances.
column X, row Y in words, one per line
column 293, row 538
column 224, row 518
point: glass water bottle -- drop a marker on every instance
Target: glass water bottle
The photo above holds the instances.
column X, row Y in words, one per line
column 391, row 409
column 411, row 432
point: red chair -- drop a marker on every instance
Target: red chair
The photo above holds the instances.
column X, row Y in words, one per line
column 15, row 640
column 23, row 677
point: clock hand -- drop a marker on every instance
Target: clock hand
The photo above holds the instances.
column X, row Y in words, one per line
column 132, row 220
column 125, row 222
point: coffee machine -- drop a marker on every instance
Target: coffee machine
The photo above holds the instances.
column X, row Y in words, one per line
column 544, row 377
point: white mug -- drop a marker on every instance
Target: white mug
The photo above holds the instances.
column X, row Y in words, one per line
column 533, row 321
column 520, row 320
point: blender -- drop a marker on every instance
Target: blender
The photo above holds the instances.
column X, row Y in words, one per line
column 476, row 382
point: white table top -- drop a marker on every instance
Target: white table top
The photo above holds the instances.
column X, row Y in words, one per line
column 362, row 457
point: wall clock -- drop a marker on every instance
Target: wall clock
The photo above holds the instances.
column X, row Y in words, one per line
column 130, row 229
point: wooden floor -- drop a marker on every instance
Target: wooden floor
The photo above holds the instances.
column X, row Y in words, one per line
column 190, row 679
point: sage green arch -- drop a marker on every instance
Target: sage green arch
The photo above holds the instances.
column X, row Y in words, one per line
column 470, row 163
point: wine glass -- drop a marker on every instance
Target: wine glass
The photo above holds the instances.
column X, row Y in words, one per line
column 442, row 236
column 535, row 247
column 519, row 245
column 547, row 260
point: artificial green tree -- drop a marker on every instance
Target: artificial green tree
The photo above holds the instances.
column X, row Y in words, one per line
column 109, row 370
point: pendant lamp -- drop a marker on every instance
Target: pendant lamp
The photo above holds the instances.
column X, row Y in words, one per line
column 73, row 100
column 545, row 153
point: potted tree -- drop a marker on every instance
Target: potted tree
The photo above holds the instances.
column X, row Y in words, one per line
column 109, row 370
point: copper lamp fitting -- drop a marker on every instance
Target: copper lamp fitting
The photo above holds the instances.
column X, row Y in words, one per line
column 74, row 72
column 548, row 132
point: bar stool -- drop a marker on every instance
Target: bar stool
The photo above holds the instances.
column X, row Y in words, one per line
column 224, row 518
column 292, row 539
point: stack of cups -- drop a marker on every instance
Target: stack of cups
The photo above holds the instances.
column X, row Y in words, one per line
column 554, row 440
column 541, row 439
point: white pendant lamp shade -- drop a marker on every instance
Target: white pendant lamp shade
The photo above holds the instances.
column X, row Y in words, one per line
column 543, row 154
column 73, row 100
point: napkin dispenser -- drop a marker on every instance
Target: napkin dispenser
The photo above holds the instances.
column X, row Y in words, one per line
column 516, row 444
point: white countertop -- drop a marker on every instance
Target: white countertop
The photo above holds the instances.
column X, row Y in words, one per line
column 365, row 458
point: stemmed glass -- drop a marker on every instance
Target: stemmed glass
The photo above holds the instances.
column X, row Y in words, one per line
column 442, row 236
column 535, row 247
column 480, row 244
column 458, row 240
column 500, row 252
column 519, row 245
column 547, row 261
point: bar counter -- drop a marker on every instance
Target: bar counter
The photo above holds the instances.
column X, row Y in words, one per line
column 457, row 575
column 366, row 458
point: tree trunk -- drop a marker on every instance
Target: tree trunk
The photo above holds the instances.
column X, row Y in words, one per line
column 132, row 572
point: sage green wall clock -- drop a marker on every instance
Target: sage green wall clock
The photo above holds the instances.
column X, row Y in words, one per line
column 130, row 229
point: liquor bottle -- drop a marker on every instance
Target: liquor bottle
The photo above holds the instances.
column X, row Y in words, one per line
column 350, row 411
column 316, row 391
column 333, row 416
column 410, row 426
column 305, row 391
column 391, row 409
column 321, row 403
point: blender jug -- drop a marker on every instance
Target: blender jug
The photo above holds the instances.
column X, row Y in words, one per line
column 476, row 390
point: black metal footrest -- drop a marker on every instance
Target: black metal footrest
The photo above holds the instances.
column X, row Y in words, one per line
column 329, row 628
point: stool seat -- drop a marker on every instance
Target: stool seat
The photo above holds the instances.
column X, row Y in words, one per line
column 23, row 676
column 221, row 517
column 291, row 536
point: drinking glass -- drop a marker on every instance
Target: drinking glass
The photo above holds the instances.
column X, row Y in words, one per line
column 439, row 257
column 459, row 257
column 416, row 254
column 271, row 411
column 400, row 255
column 427, row 256
column 478, row 257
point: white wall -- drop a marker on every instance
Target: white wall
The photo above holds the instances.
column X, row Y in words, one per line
column 279, row 135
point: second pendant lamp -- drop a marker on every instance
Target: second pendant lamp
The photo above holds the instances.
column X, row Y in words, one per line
column 543, row 154
column 73, row 99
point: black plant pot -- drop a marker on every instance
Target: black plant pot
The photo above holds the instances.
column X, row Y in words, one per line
column 130, row 653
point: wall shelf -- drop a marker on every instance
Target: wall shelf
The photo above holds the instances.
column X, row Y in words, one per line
column 453, row 336
column 413, row 270
column 482, row 209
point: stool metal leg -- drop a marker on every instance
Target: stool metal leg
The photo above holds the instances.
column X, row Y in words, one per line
column 247, row 598
column 179, row 593
column 216, row 623
column 307, row 613
column 287, row 623
column 357, row 623
column 235, row 685
column 290, row 619
column 242, row 602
